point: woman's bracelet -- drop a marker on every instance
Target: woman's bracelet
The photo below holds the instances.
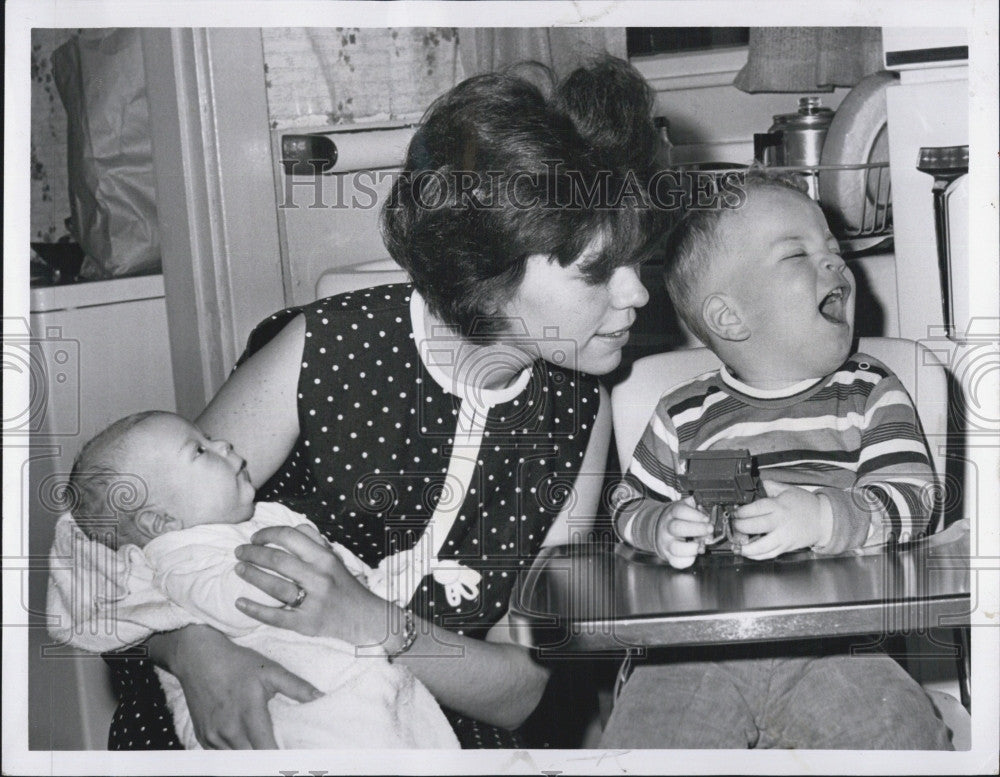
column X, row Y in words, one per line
column 409, row 636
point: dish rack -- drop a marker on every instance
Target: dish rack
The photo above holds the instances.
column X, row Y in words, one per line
column 857, row 199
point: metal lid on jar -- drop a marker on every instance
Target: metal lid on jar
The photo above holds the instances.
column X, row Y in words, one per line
column 811, row 113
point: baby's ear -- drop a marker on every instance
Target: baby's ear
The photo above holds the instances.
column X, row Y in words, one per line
column 151, row 522
column 723, row 319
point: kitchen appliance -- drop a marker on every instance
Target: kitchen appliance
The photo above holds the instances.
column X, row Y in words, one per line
column 796, row 140
column 946, row 164
column 928, row 107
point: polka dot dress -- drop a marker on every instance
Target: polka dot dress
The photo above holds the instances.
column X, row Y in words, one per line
column 377, row 432
column 142, row 720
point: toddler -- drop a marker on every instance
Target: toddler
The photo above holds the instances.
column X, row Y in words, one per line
column 841, row 457
column 160, row 509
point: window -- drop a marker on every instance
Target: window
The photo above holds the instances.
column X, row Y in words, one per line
column 666, row 40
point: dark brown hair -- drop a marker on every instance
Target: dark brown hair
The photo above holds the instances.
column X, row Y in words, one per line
column 498, row 171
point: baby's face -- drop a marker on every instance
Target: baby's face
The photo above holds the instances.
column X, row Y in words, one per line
column 793, row 289
column 194, row 479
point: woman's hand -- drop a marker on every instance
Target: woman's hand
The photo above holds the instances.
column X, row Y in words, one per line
column 227, row 688
column 336, row 604
column 490, row 680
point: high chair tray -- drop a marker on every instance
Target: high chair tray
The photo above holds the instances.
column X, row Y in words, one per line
column 604, row 597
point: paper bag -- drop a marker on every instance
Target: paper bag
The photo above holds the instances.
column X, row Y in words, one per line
column 100, row 78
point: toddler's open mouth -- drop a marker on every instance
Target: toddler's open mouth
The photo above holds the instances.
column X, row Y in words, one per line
column 834, row 305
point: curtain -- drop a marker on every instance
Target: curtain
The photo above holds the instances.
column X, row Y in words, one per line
column 563, row 49
column 318, row 76
column 809, row 59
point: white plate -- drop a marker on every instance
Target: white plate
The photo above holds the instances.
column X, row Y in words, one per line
column 858, row 134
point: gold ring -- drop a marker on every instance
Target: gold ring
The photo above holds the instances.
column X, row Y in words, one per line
column 299, row 598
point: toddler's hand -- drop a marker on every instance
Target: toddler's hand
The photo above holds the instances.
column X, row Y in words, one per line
column 681, row 531
column 790, row 518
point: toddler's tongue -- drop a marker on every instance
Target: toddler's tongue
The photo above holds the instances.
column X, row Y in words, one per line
column 833, row 305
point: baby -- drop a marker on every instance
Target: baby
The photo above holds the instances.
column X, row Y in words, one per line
column 841, row 457
column 163, row 508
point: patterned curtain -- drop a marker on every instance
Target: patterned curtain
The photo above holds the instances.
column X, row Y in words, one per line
column 321, row 76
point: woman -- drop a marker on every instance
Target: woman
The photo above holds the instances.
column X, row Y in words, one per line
column 438, row 430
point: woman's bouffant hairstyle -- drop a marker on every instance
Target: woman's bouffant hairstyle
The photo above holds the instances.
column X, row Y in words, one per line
column 499, row 171
column 696, row 240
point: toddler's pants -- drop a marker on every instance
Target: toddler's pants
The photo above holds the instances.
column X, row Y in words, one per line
column 856, row 702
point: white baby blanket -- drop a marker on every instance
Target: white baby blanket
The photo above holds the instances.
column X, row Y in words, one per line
column 101, row 599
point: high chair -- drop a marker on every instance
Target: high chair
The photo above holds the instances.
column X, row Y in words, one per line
column 921, row 373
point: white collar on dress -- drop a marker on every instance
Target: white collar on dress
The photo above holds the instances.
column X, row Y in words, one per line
column 434, row 354
column 758, row 393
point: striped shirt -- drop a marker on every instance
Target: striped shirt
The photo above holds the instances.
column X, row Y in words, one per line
column 853, row 436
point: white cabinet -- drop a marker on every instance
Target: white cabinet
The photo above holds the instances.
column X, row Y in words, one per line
column 97, row 352
column 927, row 113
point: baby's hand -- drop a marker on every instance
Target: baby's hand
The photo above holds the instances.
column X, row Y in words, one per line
column 789, row 518
column 681, row 531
